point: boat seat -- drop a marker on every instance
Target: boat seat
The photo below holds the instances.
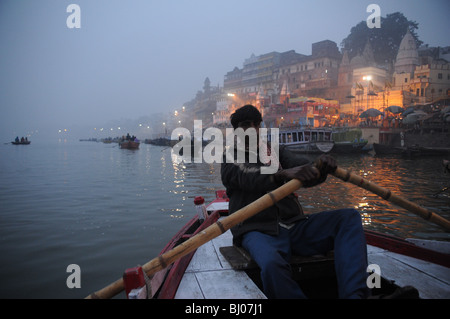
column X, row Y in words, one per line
column 310, row 267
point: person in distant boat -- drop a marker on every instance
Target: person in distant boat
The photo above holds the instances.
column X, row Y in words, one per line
column 278, row 232
column 17, row 139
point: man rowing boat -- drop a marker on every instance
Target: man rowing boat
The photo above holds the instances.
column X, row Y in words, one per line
column 278, row 232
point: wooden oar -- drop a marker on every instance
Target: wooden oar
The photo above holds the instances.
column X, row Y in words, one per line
column 387, row 195
column 204, row 236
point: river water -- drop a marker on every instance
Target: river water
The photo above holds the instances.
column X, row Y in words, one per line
column 106, row 209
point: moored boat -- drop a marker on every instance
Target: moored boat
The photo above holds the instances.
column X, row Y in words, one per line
column 309, row 141
column 219, row 270
column 412, row 142
column 350, row 147
column 410, row 151
column 418, row 150
column 349, row 141
column 161, row 141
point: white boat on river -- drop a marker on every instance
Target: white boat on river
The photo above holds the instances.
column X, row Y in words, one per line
column 310, row 141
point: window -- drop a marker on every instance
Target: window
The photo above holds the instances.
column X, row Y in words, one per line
column 406, row 80
column 440, row 76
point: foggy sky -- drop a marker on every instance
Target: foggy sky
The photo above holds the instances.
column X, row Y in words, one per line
column 135, row 58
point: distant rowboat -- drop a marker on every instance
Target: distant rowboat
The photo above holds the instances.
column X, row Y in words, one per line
column 21, row 143
column 131, row 145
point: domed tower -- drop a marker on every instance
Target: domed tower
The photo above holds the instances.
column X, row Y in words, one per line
column 365, row 59
column 407, row 56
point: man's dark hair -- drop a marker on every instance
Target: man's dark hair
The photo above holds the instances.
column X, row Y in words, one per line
column 247, row 113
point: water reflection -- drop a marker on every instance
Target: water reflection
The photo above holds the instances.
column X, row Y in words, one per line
column 416, row 180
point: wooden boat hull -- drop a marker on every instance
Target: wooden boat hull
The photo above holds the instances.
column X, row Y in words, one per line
column 350, row 147
column 381, row 149
column 159, row 141
column 426, row 151
column 306, row 141
column 131, row 145
column 311, row 147
column 21, row 143
column 191, row 276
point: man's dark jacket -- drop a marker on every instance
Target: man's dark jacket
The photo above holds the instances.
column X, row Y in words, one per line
column 244, row 184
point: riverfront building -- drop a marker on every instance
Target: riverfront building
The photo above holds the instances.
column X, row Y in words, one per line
column 327, row 86
column 292, row 88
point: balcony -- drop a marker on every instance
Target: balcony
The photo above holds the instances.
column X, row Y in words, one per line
column 420, row 80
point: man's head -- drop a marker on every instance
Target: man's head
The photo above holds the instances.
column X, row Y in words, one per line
column 246, row 122
column 245, row 117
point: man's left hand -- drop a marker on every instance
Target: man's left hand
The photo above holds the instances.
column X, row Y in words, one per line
column 326, row 164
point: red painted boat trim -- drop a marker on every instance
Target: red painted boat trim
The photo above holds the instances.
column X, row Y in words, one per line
column 401, row 246
column 176, row 272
